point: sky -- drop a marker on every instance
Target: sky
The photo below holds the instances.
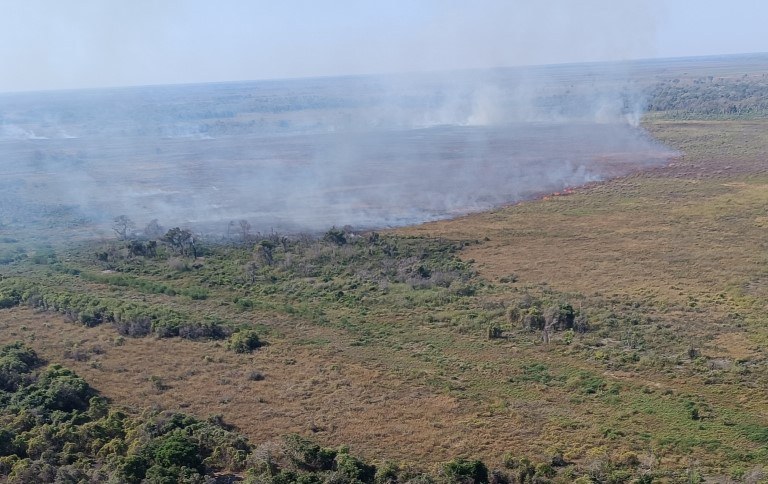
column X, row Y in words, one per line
column 54, row 44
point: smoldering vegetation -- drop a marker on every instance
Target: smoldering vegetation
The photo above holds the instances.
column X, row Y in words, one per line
column 307, row 154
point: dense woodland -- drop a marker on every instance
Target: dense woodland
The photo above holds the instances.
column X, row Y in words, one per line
column 711, row 97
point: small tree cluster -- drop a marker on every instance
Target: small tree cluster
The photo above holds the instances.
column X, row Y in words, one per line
column 244, row 341
column 181, row 241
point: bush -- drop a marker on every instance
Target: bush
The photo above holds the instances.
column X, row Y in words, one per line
column 494, row 332
column 256, row 376
column 308, row 456
column 8, row 301
column 57, row 388
column 545, row 470
column 387, row 473
column 354, row 469
column 533, row 319
column 466, row 471
column 244, row 341
column 335, row 236
column 176, row 450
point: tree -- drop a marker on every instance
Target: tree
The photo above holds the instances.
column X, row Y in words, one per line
column 335, row 236
column 466, row 471
column 252, row 271
column 244, row 341
column 153, row 229
column 180, row 240
column 265, row 248
column 123, row 226
column 245, row 230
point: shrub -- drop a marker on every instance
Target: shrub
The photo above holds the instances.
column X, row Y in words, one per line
column 533, row 319
column 7, row 301
column 581, row 324
column 354, row 469
column 468, row 471
column 335, row 236
column 244, row 341
column 494, row 332
column 133, row 468
column 545, row 470
column 387, row 473
column 176, row 449
column 16, row 362
column 568, row 336
column 58, row 388
column 256, row 376
column 308, row 456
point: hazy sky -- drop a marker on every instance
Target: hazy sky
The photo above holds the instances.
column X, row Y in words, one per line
column 53, row 44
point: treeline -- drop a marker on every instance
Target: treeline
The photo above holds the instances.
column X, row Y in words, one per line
column 55, row 428
column 710, row 97
column 130, row 318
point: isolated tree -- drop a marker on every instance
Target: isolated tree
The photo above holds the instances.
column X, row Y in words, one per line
column 252, row 271
column 136, row 248
column 151, row 250
column 335, row 236
column 265, row 249
column 180, row 240
column 245, row 230
column 153, row 229
column 123, row 226
column 139, row 248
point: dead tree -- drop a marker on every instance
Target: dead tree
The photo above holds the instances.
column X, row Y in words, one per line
column 245, row 230
column 123, row 226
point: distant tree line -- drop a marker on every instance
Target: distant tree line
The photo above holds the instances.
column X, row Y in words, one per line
column 709, row 96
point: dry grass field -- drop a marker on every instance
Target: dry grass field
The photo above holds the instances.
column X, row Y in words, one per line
column 682, row 248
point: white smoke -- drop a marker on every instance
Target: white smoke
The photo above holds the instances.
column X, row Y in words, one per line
column 307, row 154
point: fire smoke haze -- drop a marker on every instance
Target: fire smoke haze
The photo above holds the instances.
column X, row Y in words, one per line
column 308, row 154
column 50, row 44
column 457, row 134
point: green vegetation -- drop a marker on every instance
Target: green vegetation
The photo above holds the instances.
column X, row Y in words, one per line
column 373, row 288
column 131, row 318
column 710, row 97
column 55, row 428
column 616, row 334
column 244, row 341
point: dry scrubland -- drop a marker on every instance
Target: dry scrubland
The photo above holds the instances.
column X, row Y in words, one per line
column 382, row 341
column 669, row 265
column 687, row 243
column 695, row 229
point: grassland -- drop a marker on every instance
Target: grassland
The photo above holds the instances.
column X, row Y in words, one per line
column 381, row 343
column 685, row 243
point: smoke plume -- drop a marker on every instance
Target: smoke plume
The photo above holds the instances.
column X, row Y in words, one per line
column 367, row 151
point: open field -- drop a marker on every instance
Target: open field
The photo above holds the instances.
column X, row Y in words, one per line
column 617, row 328
column 669, row 264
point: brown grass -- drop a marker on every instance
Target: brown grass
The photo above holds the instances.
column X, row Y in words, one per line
column 692, row 227
column 313, row 389
column 688, row 235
